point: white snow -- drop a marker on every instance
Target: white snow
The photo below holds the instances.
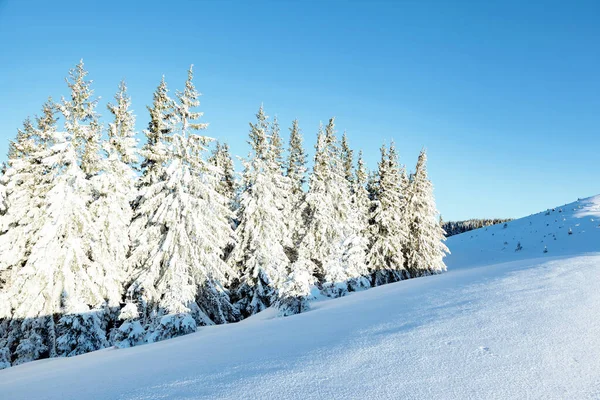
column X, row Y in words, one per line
column 499, row 324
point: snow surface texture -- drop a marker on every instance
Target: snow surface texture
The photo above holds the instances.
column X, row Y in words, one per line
column 499, row 324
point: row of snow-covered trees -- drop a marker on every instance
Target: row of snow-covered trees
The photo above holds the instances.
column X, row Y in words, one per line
column 457, row 227
column 105, row 243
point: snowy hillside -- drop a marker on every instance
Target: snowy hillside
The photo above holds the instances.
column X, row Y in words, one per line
column 499, row 324
column 548, row 229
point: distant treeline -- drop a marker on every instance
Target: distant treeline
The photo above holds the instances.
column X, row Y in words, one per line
column 455, row 227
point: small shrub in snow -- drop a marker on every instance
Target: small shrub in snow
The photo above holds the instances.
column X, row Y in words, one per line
column 519, row 247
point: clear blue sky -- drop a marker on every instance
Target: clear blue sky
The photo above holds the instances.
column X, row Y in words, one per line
column 504, row 95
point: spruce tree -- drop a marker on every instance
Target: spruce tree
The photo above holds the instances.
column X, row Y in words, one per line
column 22, row 182
column 425, row 248
column 25, row 143
column 159, row 129
column 276, row 144
column 263, row 233
column 389, row 230
column 58, row 265
column 114, row 191
column 23, row 189
column 331, row 237
column 179, row 232
column 81, row 119
column 221, row 159
column 360, row 196
column 34, row 137
column 53, row 245
column 347, row 159
column 296, row 164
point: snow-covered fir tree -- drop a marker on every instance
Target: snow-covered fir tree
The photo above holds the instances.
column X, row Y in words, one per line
column 81, row 119
column 159, row 128
column 261, row 255
column 33, row 137
column 179, row 232
column 360, row 196
column 331, row 237
column 389, row 230
column 58, row 266
column 295, row 170
column 296, row 163
column 58, row 283
column 425, row 248
column 222, row 160
column 22, row 187
column 25, row 142
column 347, row 160
column 114, row 191
column 276, row 144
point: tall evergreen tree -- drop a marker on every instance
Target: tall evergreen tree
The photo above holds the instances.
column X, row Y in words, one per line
column 114, row 191
column 276, row 144
column 22, row 187
column 179, row 233
column 388, row 226
column 53, row 282
column 331, row 239
column 34, row 137
column 360, row 196
column 347, row 159
column 263, row 234
column 296, row 164
column 58, row 277
column 425, row 248
column 221, row 158
column 25, row 143
column 81, row 119
column 159, row 129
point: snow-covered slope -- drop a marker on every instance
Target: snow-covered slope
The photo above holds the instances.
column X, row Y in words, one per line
column 500, row 324
column 548, row 229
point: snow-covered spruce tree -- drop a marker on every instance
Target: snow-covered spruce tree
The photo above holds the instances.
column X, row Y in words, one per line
column 159, row 128
column 83, row 324
column 81, row 119
column 296, row 164
column 296, row 171
column 178, row 235
column 34, row 137
column 347, row 159
column 331, row 237
column 25, row 143
column 389, row 231
column 360, row 196
column 114, row 191
column 425, row 248
column 222, row 160
column 58, row 262
column 372, row 185
column 276, row 144
column 21, row 181
column 24, row 187
column 58, row 267
column 263, row 233
column 137, row 313
column 295, row 292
